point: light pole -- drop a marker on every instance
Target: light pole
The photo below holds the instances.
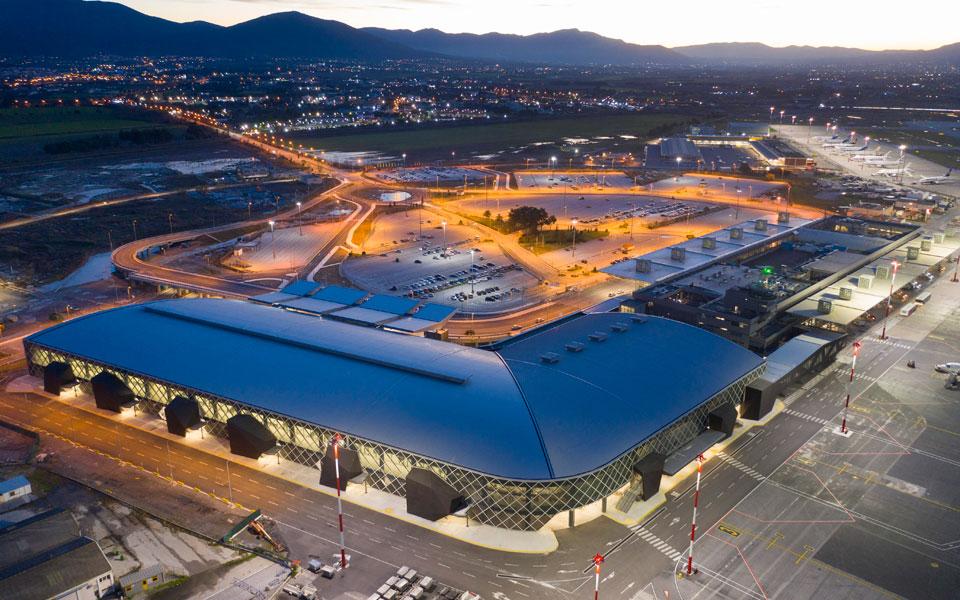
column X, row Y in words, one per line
column 809, row 127
column 573, row 223
column 771, row 113
column 781, row 116
column 444, row 225
column 846, row 404
column 336, row 466
column 553, row 164
column 170, row 221
column 299, row 219
column 893, row 275
column 597, row 561
column 693, row 524
column 473, row 275
column 679, row 160
column 273, row 236
column 404, row 155
column 903, row 166
column 135, row 230
column 956, row 270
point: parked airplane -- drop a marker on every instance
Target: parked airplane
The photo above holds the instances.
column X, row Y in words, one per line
column 852, row 148
column 883, row 161
column 894, row 172
column 935, row 180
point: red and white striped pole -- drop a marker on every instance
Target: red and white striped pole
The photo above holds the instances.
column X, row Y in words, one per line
column 693, row 524
column 846, row 405
column 597, row 559
column 336, row 465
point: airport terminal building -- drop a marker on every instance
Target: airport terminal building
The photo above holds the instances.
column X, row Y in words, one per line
column 547, row 422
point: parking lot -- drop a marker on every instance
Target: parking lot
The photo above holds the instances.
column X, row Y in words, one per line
column 428, row 176
column 574, row 182
column 469, row 273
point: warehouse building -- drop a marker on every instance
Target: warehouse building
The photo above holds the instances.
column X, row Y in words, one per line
column 46, row 558
column 549, row 421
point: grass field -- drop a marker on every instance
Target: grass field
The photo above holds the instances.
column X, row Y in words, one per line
column 489, row 135
column 555, row 239
column 925, row 145
column 20, row 123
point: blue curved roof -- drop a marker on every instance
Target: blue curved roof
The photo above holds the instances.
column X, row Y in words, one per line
column 505, row 413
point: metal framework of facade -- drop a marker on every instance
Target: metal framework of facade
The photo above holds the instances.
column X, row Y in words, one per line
column 500, row 502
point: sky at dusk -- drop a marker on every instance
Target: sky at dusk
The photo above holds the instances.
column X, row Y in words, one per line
column 876, row 24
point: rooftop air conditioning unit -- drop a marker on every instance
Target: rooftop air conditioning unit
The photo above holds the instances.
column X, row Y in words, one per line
column 760, row 224
column 550, row 358
column 882, row 272
column 678, row 254
column 938, row 237
column 846, row 293
column 824, row 306
column 783, row 217
column 598, row 336
column 639, row 318
column 643, row 265
column 709, row 243
column 736, row 233
column 619, row 327
column 913, row 253
column 926, row 244
column 865, row 282
column 575, row 347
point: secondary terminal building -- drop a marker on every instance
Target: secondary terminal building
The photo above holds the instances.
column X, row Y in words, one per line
column 549, row 421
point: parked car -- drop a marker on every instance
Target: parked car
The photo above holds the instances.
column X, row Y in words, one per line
column 948, row 367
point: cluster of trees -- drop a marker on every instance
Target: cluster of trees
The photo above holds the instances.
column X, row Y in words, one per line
column 135, row 137
column 160, row 135
column 85, row 144
column 529, row 219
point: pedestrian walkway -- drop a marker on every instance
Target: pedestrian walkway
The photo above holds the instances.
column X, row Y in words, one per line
column 657, row 543
column 801, row 415
column 739, row 465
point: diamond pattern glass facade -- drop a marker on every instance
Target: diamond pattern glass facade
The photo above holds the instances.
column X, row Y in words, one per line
column 511, row 504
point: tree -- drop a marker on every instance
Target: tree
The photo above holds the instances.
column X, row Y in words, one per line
column 528, row 218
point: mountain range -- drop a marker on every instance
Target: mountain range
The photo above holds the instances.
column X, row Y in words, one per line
column 78, row 28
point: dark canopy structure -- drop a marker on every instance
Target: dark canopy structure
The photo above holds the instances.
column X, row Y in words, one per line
column 723, row 418
column 758, row 399
column 650, row 469
column 429, row 496
column 349, row 467
column 110, row 392
column 182, row 413
column 248, row 436
column 56, row 376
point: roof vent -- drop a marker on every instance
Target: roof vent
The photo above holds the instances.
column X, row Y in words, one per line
column 574, row 347
column 550, row 358
column 760, row 224
column 597, row 336
column 638, row 318
column 736, row 233
column 619, row 327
